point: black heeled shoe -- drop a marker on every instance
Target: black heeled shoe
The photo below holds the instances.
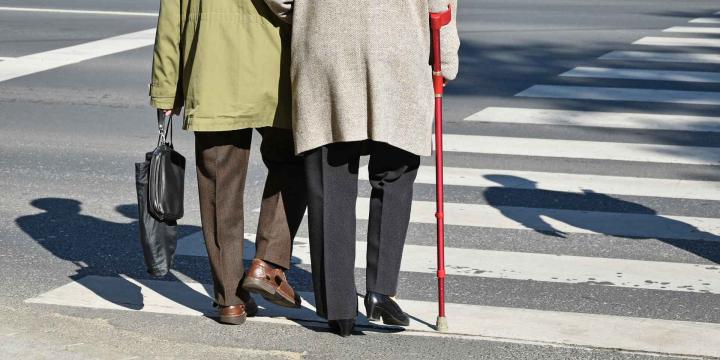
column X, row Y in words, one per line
column 379, row 305
column 343, row 327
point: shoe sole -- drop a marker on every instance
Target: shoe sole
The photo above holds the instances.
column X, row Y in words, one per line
column 390, row 320
column 269, row 293
column 232, row 320
column 378, row 313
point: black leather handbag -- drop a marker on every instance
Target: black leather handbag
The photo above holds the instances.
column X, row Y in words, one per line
column 166, row 183
column 159, row 181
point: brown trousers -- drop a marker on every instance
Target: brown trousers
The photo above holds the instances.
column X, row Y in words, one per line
column 222, row 162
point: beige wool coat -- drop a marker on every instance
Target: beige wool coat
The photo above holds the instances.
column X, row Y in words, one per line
column 361, row 70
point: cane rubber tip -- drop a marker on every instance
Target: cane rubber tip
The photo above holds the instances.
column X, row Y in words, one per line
column 442, row 325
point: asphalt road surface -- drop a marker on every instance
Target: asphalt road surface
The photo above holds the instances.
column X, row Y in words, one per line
column 582, row 157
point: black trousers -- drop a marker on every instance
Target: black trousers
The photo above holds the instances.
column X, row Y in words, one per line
column 332, row 182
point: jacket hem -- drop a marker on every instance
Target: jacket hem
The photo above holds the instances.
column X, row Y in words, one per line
column 196, row 124
column 420, row 151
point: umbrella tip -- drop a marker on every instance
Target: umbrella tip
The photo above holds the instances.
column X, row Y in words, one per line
column 441, row 325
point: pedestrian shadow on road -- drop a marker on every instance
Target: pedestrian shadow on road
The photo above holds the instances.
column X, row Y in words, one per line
column 104, row 251
column 102, row 248
column 632, row 221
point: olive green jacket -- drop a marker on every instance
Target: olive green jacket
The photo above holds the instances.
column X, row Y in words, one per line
column 225, row 61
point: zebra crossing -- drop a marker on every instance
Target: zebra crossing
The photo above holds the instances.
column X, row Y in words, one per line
column 16, row 67
column 707, row 20
column 523, row 266
column 672, row 41
column 596, row 150
column 474, row 317
column 597, row 119
column 634, row 74
column 622, row 94
column 651, row 56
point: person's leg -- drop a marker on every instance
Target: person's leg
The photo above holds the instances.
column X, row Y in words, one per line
column 284, row 197
column 392, row 172
column 221, row 161
column 332, row 173
column 281, row 212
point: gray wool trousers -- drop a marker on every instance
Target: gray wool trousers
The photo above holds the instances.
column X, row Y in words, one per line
column 332, row 182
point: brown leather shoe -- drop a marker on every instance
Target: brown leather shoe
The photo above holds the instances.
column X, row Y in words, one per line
column 271, row 283
column 232, row 315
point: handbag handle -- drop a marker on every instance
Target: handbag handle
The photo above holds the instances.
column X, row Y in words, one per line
column 164, row 126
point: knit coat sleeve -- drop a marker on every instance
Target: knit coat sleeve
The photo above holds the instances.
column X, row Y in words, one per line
column 166, row 84
column 283, row 9
column 449, row 39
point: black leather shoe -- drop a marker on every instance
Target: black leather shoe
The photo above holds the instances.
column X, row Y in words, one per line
column 379, row 305
column 251, row 307
column 343, row 327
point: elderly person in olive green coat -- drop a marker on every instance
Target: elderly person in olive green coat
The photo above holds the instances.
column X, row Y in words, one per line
column 226, row 63
column 362, row 84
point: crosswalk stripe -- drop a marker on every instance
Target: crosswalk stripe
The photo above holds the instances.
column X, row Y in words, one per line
column 693, row 29
column 571, row 183
column 496, row 323
column 597, row 119
column 622, row 94
column 671, row 41
column 595, row 150
column 30, row 64
column 636, row 274
column 705, row 20
column 82, row 12
column 568, row 221
column 662, row 57
column 642, row 74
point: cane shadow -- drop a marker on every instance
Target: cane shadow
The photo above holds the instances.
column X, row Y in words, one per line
column 677, row 233
column 104, row 251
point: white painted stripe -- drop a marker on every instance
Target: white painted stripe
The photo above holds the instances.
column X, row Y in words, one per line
column 642, row 74
column 694, row 30
column 651, row 275
column 662, row 57
column 30, row 64
column 671, row 41
column 597, row 119
column 638, row 225
column 473, row 321
column 571, row 183
column 71, row 11
column 622, row 94
column 2, row 58
column 706, row 20
column 558, row 148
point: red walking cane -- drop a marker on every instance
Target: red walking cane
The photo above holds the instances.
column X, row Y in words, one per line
column 437, row 21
